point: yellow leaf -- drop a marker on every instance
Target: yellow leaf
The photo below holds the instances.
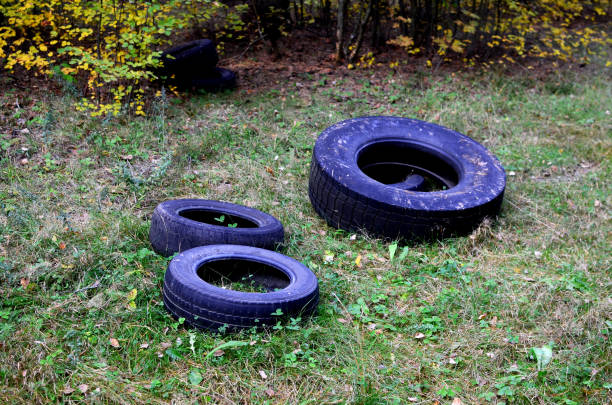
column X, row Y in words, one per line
column 132, row 294
column 358, row 261
column 457, row 46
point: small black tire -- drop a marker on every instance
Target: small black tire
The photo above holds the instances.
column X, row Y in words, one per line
column 348, row 198
column 206, row 306
column 179, row 225
column 218, row 80
column 188, row 60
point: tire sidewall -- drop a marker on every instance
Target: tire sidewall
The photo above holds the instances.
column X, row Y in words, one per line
column 481, row 176
column 182, row 276
column 170, row 232
column 172, row 210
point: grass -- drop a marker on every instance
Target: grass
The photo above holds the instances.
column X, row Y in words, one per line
column 81, row 315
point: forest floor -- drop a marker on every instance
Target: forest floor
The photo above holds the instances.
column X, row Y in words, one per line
column 463, row 320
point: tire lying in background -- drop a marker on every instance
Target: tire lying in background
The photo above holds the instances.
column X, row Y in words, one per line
column 189, row 292
column 399, row 177
column 178, row 225
column 189, row 59
column 219, row 79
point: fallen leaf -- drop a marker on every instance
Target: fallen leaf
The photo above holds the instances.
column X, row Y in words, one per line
column 493, row 322
column 132, row 295
column 269, row 170
column 83, row 388
column 218, row 353
column 263, row 374
column 68, row 390
column 23, row 161
column 456, row 401
column 358, row 261
column 372, row 326
column 165, row 345
column 24, row 282
column 452, row 361
column 270, row 392
column 114, row 342
column 62, row 246
column 412, row 399
column 342, row 320
column 195, row 377
column 419, row 336
column 127, row 157
column 144, row 346
column 482, row 316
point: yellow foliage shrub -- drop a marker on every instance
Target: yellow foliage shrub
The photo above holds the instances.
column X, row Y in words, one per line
column 111, row 45
column 506, row 30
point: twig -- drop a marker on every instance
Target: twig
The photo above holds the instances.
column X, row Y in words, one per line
column 535, row 217
column 261, row 38
column 343, row 307
column 96, row 284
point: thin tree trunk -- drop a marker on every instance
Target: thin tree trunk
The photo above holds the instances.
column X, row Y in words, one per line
column 342, row 7
column 402, row 11
column 376, row 24
column 362, row 25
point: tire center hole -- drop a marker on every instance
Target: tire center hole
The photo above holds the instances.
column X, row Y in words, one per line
column 243, row 275
column 408, row 166
column 217, row 218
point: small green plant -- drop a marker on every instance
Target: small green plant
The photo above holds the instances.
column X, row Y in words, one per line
column 221, row 219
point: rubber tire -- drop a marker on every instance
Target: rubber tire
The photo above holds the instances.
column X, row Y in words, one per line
column 220, row 79
column 206, row 306
column 170, row 232
column 348, row 199
column 189, row 59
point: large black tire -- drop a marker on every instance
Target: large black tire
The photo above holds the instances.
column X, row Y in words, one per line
column 217, row 80
column 367, row 174
column 188, row 60
column 178, row 225
column 187, row 295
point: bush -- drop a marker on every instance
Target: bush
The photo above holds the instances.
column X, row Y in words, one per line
column 110, row 46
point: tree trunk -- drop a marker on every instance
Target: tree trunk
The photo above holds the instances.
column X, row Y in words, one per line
column 362, row 25
column 376, row 16
column 342, row 7
column 402, row 13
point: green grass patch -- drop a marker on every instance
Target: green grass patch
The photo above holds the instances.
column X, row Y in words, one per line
column 516, row 312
